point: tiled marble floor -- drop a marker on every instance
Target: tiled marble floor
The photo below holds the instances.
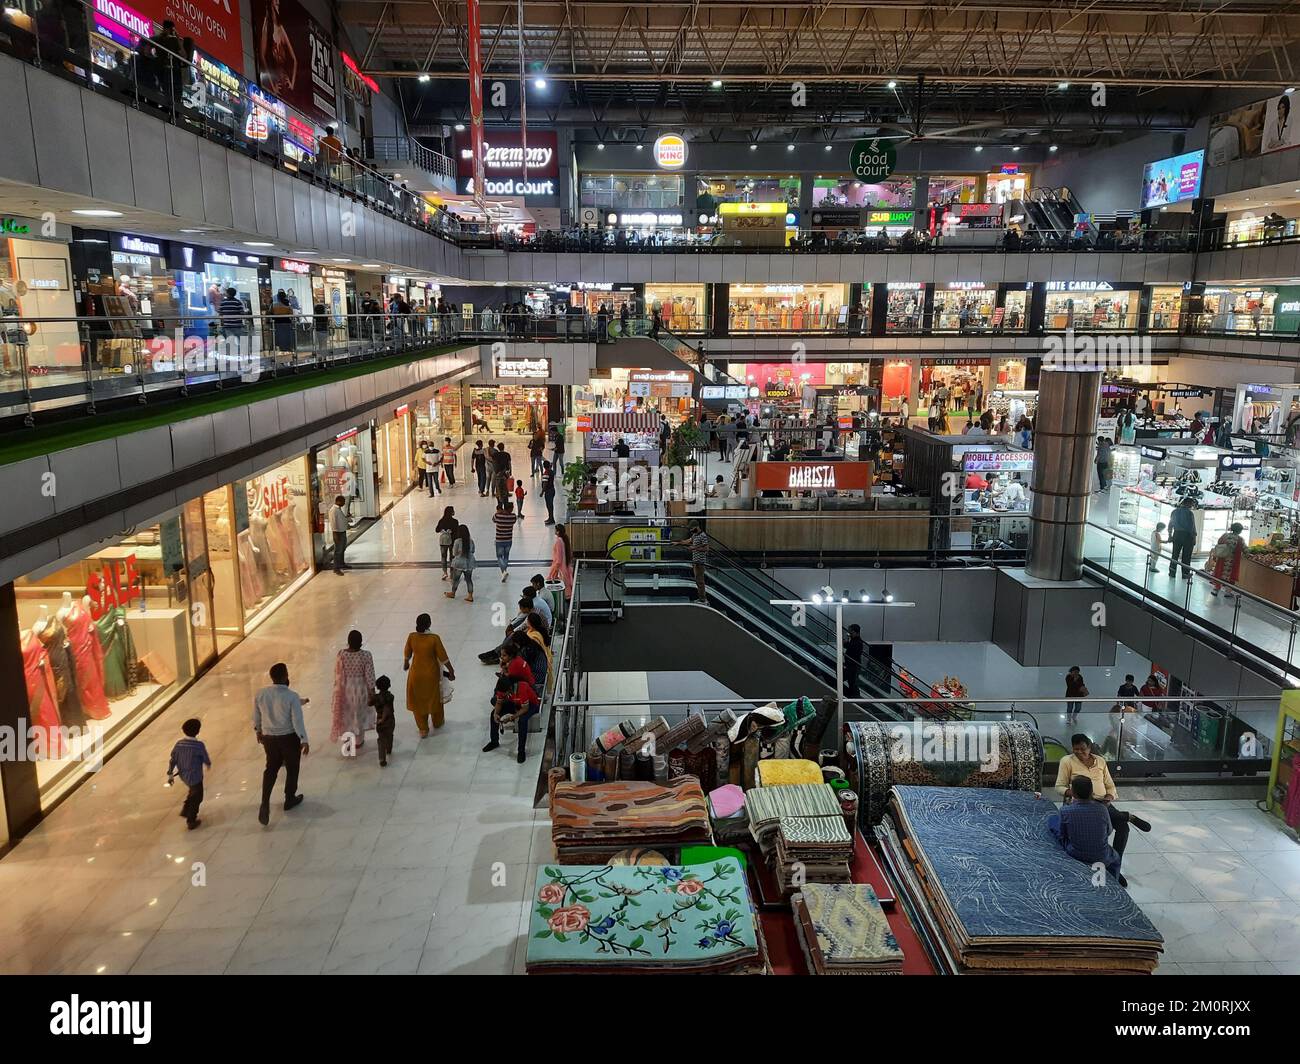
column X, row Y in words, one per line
column 425, row 866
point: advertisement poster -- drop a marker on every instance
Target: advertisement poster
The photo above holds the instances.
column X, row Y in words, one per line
column 472, row 33
column 503, row 165
column 1172, row 180
column 213, row 25
column 1256, row 129
column 295, row 58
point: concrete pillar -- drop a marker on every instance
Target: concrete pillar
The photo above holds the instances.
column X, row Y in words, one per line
column 1064, row 435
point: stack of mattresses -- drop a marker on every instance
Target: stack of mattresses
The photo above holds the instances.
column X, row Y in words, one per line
column 638, row 920
column 989, row 890
column 811, row 850
column 765, row 806
column 878, row 756
column 590, row 822
column 843, row 931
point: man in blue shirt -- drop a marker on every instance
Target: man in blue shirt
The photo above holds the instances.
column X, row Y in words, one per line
column 1083, row 828
column 277, row 720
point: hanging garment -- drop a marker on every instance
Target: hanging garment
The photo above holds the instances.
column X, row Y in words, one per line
column 1291, row 810
column 350, row 709
column 55, row 638
column 250, row 580
column 42, row 698
column 119, row 653
column 88, row 661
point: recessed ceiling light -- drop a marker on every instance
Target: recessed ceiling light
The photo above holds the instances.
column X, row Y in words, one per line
column 1015, row 147
column 540, row 83
column 600, row 146
column 790, row 147
column 827, row 148
column 979, row 147
column 639, row 147
column 753, row 147
column 257, row 244
column 1052, row 148
column 424, row 78
column 193, row 230
column 1289, row 90
column 891, row 84
column 459, row 127
column 96, row 212
column 371, row 266
column 717, row 84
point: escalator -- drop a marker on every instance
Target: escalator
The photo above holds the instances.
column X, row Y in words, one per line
column 803, row 635
column 709, row 374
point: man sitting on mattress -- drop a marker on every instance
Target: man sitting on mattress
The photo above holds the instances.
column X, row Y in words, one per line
column 1083, row 828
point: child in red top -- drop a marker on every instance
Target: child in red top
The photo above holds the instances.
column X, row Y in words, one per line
column 519, row 497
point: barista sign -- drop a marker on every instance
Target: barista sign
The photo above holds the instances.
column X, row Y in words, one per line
column 812, row 476
column 873, row 160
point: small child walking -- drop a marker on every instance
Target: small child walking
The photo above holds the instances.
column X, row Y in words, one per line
column 1157, row 541
column 189, row 755
column 385, row 718
column 519, row 498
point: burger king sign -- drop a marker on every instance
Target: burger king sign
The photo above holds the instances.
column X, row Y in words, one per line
column 670, row 151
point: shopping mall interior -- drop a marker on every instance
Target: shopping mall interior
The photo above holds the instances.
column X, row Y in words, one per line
column 592, row 489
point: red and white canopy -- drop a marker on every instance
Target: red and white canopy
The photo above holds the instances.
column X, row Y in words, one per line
column 612, row 421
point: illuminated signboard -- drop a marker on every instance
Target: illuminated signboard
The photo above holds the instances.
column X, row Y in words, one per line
column 890, row 217
column 964, row 286
column 13, row 227
column 752, row 208
column 905, row 286
column 350, row 65
column 138, row 246
column 670, row 152
column 1172, row 180
column 295, row 266
column 523, row 368
column 120, row 23
column 1228, row 462
column 998, row 461
column 1079, row 286
column 724, row 391
column 811, row 476
column 635, row 219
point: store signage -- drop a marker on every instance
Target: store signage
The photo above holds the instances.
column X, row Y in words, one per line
column 635, row 219
column 1183, row 393
column 964, row 286
column 120, row 23
column 301, row 134
column 873, row 160
column 1010, row 168
column 295, row 266
column 13, row 227
column 724, row 391
column 117, row 583
column 503, row 154
column 350, row 65
column 955, row 361
column 841, row 218
column 1156, row 454
column 138, row 246
column 398, row 411
column 213, row 25
column 891, row 217
column 583, row 423
column 855, row 389
column 217, row 74
column 660, row 376
column 1229, row 462
column 777, row 390
column 905, row 286
column 670, row 151
column 998, row 461
column 523, row 368
column 1079, row 286
column 979, row 210
column 811, row 476
column 751, row 209
column 346, row 435
column 224, row 258
column 1289, row 307
column 1172, row 180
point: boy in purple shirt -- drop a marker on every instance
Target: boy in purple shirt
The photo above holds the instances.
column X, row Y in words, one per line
column 189, row 756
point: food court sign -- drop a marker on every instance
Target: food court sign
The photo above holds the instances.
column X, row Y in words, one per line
column 874, row 159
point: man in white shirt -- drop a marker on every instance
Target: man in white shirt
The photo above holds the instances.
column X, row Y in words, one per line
column 337, row 522
column 433, row 462
column 279, row 726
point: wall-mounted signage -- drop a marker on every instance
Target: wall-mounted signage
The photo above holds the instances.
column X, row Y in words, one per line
column 1183, row 393
column 964, row 286
column 503, row 165
column 1080, row 286
column 295, row 57
column 660, row 383
column 752, row 209
column 136, row 245
column 873, row 160
column 583, row 422
column 811, row 476
column 643, row 219
column 191, row 258
column 522, row 368
column 1233, row 462
column 955, row 361
column 738, row 392
column 1156, row 454
column 49, row 275
column 905, row 286
column 295, row 266
column 777, row 390
column 120, row 23
column 670, row 151
column 841, row 218
column 346, row 435
column 352, row 72
column 398, row 411
column 998, row 461
column 1009, row 168
column 213, row 26
column 1172, row 180
column 13, row 227
column 657, row 376
column 891, row 218
column 978, row 210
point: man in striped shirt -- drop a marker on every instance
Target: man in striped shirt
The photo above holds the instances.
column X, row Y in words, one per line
column 504, row 523
column 234, row 316
column 189, row 755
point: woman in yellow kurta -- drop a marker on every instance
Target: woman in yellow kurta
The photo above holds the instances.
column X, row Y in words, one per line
column 424, row 658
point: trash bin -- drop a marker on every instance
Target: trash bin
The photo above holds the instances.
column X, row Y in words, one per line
column 554, row 590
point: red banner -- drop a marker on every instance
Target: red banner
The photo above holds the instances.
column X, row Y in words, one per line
column 811, row 476
column 213, row 26
column 473, row 33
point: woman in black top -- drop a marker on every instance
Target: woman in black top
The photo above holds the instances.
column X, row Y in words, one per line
column 547, row 491
column 446, row 529
column 478, row 462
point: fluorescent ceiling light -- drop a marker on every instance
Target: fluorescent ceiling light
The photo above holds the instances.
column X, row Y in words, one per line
column 257, row 244
column 96, row 212
column 459, row 127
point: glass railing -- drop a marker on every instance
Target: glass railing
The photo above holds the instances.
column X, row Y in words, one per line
column 173, row 81
column 1213, row 604
column 54, row 363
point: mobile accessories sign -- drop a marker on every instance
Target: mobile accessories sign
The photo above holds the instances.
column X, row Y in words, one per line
column 873, row 160
column 522, row 368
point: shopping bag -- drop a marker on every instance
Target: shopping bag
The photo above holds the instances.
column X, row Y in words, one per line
column 447, row 688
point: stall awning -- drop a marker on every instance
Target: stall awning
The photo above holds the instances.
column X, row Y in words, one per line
column 611, row 421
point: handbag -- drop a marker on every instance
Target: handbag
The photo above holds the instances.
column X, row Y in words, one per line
column 445, row 537
column 446, row 687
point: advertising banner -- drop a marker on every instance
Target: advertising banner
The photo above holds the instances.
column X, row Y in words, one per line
column 295, row 58
column 213, row 25
column 473, row 31
column 1256, row 129
column 1172, row 180
column 503, row 166
column 806, row 476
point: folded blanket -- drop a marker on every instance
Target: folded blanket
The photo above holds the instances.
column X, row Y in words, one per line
column 782, row 773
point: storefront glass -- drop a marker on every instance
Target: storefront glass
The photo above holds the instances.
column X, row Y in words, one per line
column 964, row 306
column 966, row 379
column 892, row 194
column 681, row 306
column 1090, row 305
column 1240, row 308
column 1003, row 187
column 442, row 415
column 1251, row 227
column 627, row 192
column 271, row 530
column 712, row 190
column 144, row 280
column 397, row 470
column 1166, row 306
column 1010, row 375
column 788, row 307
column 104, row 639
column 345, row 467
column 1015, row 303
column 36, row 282
column 508, row 408
column 941, row 191
column 904, row 303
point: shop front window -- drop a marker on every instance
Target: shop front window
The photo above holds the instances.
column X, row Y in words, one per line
column 628, row 192
column 271, row 534
column 788, row 307
column 959, row 385
column 961, row 306
column 509, row 408
column 1240, row 309
column 1015, row 311
column 36, row 283
column 1166, row 307
column 1101, row 309
column 681, row 306
column 892, row 194
column 1004, row 188
column 397, row 469
column 104, row 640
column 942, row 191
column 904, row 302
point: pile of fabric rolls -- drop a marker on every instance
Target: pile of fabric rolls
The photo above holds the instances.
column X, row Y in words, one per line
column 988, row 889
column 591, row 822
column 842, row 930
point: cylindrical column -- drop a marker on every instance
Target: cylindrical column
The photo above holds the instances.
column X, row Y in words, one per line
column 1064, row 430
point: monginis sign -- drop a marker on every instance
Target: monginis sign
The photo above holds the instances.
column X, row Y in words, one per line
column 670, row 151
column 812, row 476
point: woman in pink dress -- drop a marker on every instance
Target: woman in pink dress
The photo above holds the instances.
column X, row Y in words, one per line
column 354, row 683
column 562, row 560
